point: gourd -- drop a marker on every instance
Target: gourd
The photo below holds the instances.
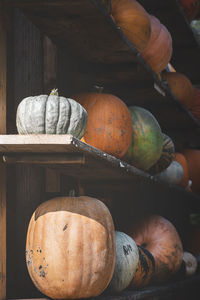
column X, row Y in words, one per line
column 127, row 257
column 109, row 125
column 190, row 8
column 172, row 174
column 133, row 20
column 145, row 269
column 158, row 51
column 147, row 140
column 51, row 115
column 160, row 238
column 70, row 247
column 193, row 161
column 181, row 87
column 180, row 158
column 166, row 157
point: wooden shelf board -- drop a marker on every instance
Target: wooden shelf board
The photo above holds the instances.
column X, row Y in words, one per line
column 82, row 161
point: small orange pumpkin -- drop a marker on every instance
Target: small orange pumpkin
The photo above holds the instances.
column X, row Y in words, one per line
column 109, row 124
column 180, row 158
column 133, row 20
column 159, row 48
column 181, row 87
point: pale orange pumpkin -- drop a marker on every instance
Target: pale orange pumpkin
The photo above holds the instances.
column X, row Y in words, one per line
column 159, row 236
column 180, row 158
column 109, row 124
column 158, row 51
column 193, row 161
column 181, row 87
column 133, row 20
column 70, row 247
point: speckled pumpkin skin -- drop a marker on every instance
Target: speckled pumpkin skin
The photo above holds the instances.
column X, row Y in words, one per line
column 70, row 247
column 147, row 140
column 51, row 115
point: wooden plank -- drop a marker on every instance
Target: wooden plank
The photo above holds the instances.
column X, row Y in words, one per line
column 3, row 86
column 44, row 159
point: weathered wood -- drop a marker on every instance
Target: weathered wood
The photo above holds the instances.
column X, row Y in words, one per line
column 50, row 65
column 52, row 183
column 3, row 86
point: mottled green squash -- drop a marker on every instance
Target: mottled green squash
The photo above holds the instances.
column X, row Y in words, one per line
column 147, row 140
column 166, row 157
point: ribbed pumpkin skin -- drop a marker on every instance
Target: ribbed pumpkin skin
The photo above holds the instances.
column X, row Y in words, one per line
column 70, row 247
column 145, row 269
column 109, row 125
column 158, row 51
column 180, row 158
column 51, row 115
column 181, row 87
column 127, row 257
column 133, row 20
column 159, row 236
column 147, row 140
column 193, row 161
column 166, row 157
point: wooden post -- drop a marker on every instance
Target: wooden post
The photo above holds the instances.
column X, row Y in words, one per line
column 3, row 64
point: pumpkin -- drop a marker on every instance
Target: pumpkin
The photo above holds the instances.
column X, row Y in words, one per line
column 195, row 105
column 190, row 8
column 133, row 20
column 159, row 236
column 158, row 51
column 193, row 161
column 172, row 174
column 147, row 140
column 51, row 115
column 127, row 257
column 109, row 125
column 181, row 87
column 145, row 269
column 180, row 158
column 190, row 263
column 166, row 157
column 70, row 247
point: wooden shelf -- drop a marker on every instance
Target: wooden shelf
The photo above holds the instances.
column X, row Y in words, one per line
column 111, row 60
column 70, row 156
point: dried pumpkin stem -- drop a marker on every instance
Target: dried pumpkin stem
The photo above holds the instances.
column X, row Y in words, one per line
column 54, row 92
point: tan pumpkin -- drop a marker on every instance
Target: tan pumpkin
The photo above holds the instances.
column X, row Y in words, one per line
column 109, row 124
column 159, row 236
column 158, row 51
column 133, row 20
column 181, row 87
column 70, row 247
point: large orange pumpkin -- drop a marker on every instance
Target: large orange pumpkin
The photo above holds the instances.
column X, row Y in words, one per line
column 195, row 105
column 133, row 20
column 180, row 158
column 193, row 160
column 159, row 48
column 109, row 124
column 70, row 247
column 181, row 87
column 159, row 236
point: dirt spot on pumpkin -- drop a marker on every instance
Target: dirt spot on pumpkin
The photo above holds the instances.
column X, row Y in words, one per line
column 65, row 227
column 127, row 249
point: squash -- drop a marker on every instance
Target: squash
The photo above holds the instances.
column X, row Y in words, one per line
column 109, row 125
column 190, row 263
column 180, row 158
column 172, row 174
column 51, row 115
column 190, row 8
column 145, row 269
column 193, row 161
column 133, row 20
column 158, row 51
column 181, row 87
column 195, row 105
column 147, row 140
column 127, row 257
column 166, row 157
column 70, row 247
column 160, row 238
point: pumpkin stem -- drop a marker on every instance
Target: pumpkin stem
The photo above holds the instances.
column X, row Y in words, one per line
column 98, row 89
column 54, row 92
